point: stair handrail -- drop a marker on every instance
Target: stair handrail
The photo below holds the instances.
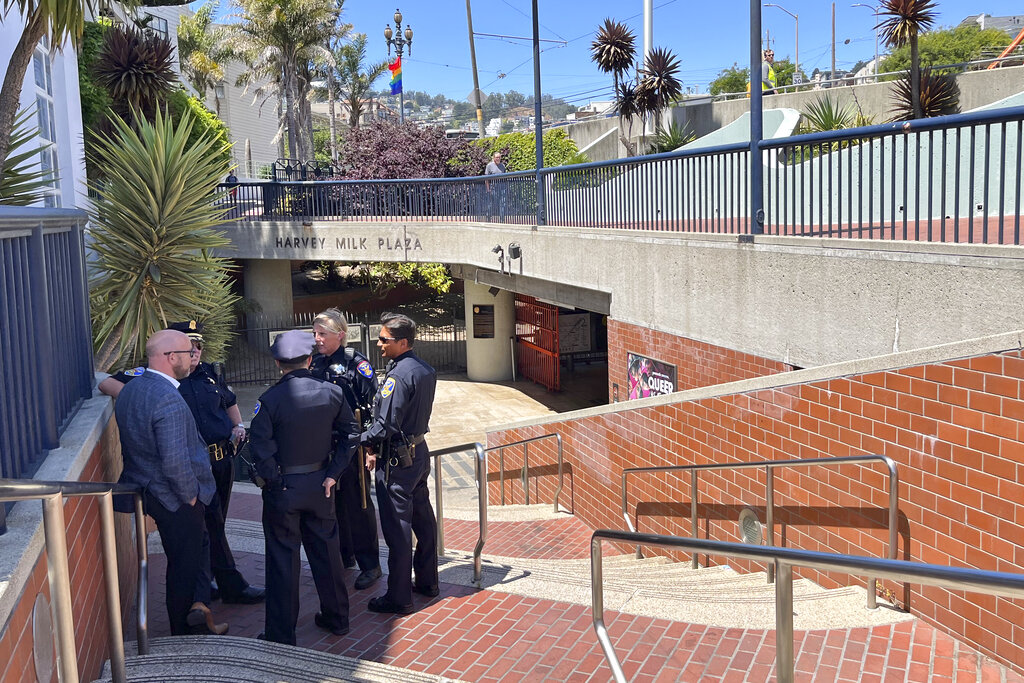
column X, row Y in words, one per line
column 525, row 443
column 52, row 494
column 480, row 471
column 770, row 466
column 784, row 559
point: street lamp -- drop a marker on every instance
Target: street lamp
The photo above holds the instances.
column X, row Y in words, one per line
column 874, row 10
column 796, row 18
column 395, row 38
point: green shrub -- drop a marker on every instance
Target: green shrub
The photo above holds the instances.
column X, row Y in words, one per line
column 519, row 149
column 204, row 122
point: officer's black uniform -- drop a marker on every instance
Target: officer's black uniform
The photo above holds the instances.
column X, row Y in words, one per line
column 293, row 431
column 208, row 397
column 357, row 527
column 401, row 411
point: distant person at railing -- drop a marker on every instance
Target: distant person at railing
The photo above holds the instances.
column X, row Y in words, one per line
column 768, row 73
column 496, row 195
column 344, row 366
column 232, row 180
column 219, row 420
column 303, row 436
column 395, row 439
column 165, row 455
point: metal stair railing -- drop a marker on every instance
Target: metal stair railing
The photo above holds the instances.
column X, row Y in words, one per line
column 770, row 467
column 784, row 559
column 481, row 485
column 52, row 494
column 525, row 443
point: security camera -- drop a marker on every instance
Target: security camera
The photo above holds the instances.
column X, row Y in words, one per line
column 497, row 249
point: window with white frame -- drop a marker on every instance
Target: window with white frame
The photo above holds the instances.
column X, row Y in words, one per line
column 158, row 25
column 42, row 69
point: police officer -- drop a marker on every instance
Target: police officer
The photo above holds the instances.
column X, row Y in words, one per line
column 349, row 369
column 401, row 411
column 216, row 413
column 303, row 434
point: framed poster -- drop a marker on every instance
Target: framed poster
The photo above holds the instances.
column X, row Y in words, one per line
column 647, row 377
column 574, row 333
column 483, row 321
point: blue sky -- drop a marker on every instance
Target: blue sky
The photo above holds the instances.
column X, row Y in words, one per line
column 706, row 36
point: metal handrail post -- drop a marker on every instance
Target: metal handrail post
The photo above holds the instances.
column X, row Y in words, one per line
column 783, row 622
column 60, row 586
column 694, row 560
column 558, row 491
column 142, row 587
column 769, row 486
column 439, row 498
column 117, row 667
column 597, row 605
column 481, row 483
column 526, row 472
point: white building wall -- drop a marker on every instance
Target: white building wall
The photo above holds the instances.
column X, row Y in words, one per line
column 248, row 118
column 67, row 109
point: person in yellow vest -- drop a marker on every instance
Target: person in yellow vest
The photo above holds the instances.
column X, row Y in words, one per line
column 768, row 73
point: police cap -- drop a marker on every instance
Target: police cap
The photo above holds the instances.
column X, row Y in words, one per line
column 292, row 345
column 191, row 328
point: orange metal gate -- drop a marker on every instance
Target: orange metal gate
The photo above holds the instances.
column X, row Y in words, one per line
column 537, row 341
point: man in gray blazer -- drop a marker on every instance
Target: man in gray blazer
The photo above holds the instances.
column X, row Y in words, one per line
column 164, row 454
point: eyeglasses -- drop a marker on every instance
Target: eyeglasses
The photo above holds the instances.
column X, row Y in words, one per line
column 191, row 352
column 385, row 340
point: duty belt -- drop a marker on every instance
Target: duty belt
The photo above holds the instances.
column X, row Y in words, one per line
column 219, row 451
column 411, row 441
column 306, row 469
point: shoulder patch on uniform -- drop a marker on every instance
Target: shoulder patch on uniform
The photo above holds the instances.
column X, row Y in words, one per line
column 256, row 409
column 388, row 387
column 365, row 369
column 135, row 372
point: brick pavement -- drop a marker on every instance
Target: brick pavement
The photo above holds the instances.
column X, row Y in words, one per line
column 496, row 637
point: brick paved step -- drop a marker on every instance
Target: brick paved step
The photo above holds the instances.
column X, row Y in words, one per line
column 227, row 659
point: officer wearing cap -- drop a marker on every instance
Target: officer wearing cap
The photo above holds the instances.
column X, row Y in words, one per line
column 303, row 435
column 401, row 411
column 217, row 416
column 350, row 370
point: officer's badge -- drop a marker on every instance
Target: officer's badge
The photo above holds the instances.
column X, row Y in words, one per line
column 388, row 387
column 336, row 369
column 135, row 372
column 365, row 369
column 256, row 410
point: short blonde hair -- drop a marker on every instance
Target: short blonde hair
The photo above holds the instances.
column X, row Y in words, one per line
column 333, row 320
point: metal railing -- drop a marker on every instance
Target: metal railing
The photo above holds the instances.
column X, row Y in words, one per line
column 946, row 179
column 52, row 494
column 42, row 287
column 525, row 443
column 480, row 471
column 784, row 559
column 769, row 468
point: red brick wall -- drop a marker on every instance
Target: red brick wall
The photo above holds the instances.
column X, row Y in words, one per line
column 88, row 595
column 956, row 430
column 697, row 364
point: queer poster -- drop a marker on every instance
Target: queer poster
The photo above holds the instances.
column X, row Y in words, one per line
column 649, row 377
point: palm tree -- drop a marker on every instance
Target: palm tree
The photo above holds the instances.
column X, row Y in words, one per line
column 659, row 82
column 279, row 39
column 203, row 51
column 356, row 77
column 614, row 49
column 153, row 226
column 905, row 20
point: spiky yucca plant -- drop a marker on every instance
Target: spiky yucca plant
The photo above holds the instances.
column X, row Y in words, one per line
column 939, row 95
column 660, row 79
column 21, row 180
column 671, row 138
column 905, row 20
column 136, row 68
column 153, row 227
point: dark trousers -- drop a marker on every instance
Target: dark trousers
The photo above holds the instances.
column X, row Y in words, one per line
column 219, row 562
column 357, row 528
column 405, row 510
column 181, row 533
column 300, row 515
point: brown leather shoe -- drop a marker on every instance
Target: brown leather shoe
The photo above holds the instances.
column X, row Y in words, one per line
column 200, row 621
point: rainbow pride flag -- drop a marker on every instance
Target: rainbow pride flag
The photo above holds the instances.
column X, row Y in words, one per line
column 396, row 76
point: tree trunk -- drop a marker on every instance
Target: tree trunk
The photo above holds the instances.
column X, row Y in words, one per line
column 915, row 76
column 355, row 111
column 289, row 111
column 10, row 94
column 330, row 106
column 280, row 118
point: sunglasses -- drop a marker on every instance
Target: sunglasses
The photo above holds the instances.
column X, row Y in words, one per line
column 384, row 340
column 197, row 345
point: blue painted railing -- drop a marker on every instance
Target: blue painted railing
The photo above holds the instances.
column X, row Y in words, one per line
column 46, row 359
column 947, row 179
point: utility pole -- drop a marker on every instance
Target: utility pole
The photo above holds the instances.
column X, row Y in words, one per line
column 832, row 76
column 538, row 114
column 648, row 46
column 476, row 78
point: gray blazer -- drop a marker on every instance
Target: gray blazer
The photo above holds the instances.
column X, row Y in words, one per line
column 162, row 449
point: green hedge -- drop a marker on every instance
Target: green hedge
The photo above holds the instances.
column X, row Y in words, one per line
column 205, row 121
column 520, row 154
